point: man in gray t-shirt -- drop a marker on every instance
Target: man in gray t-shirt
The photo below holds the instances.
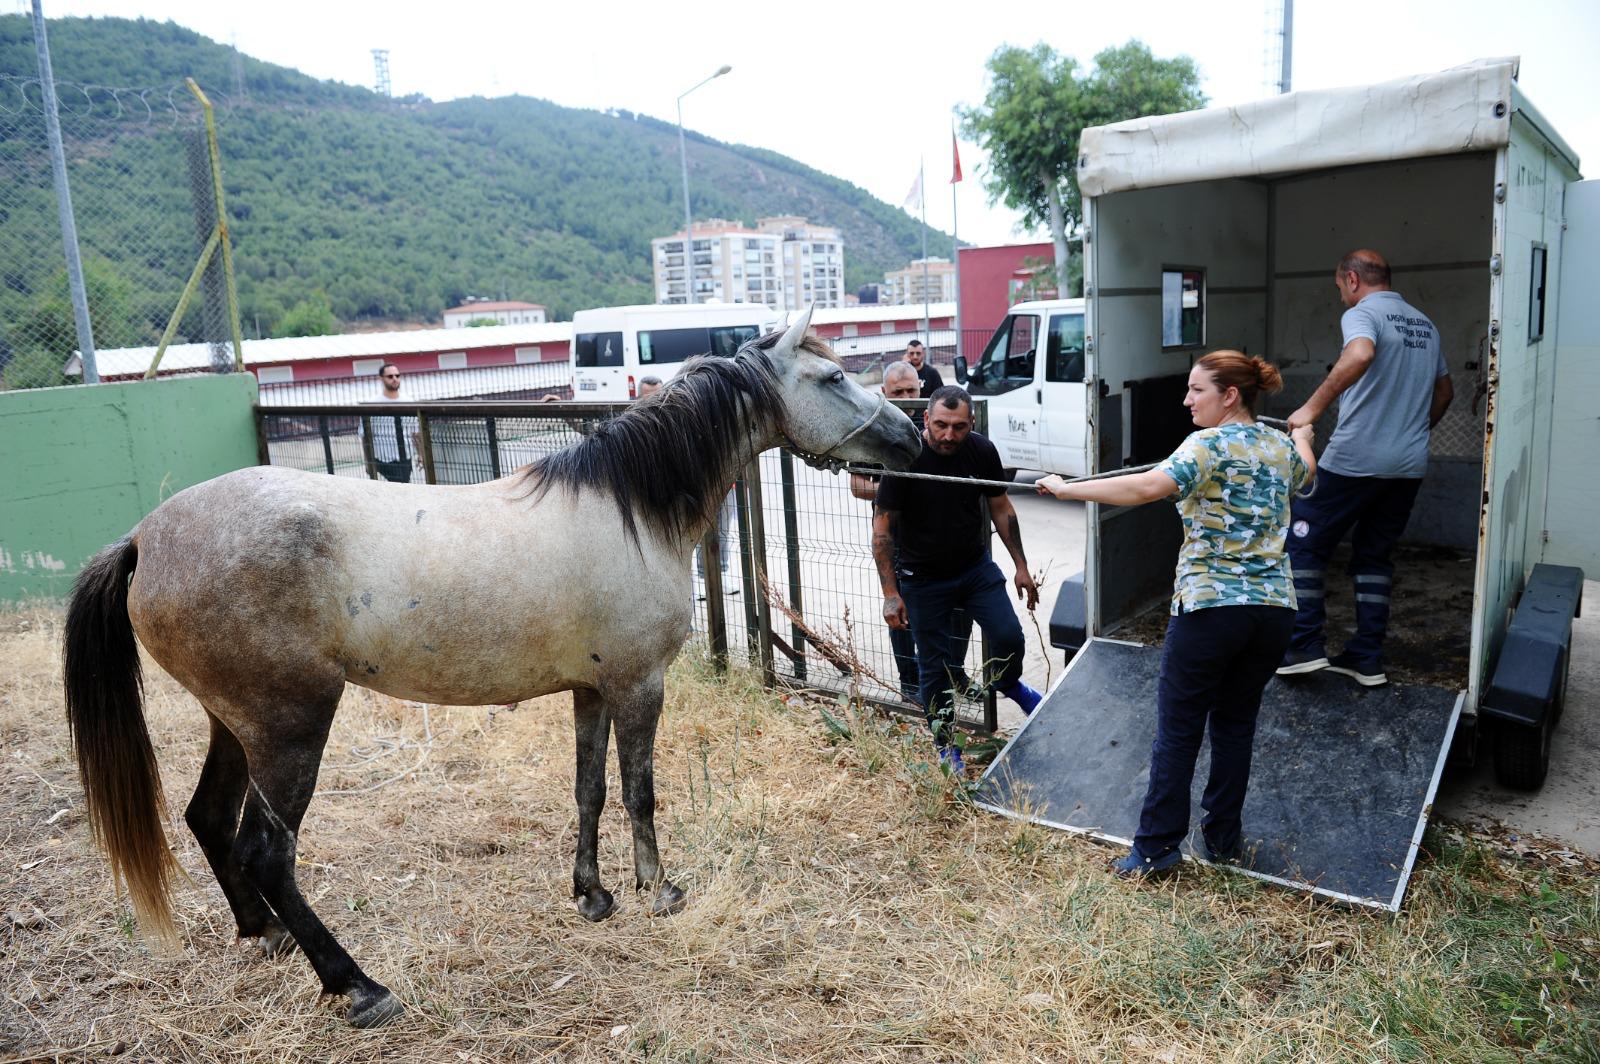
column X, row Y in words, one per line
column 1393, row 386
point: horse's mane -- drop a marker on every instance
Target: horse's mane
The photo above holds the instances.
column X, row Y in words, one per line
column 665, row 460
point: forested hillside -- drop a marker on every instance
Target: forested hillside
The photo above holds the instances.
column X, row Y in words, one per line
column 395, row 209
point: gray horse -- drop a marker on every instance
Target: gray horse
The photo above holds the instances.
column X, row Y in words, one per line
column 265, row 590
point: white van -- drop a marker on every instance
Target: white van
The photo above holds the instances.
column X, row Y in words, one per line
column 613, row 347
column 1038, row 407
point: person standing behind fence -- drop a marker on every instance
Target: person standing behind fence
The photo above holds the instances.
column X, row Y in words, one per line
column 1233, row 601
column 931, row 546
column 1393, row 386
column 394, row 438
column 900, row 381
column 917, row 356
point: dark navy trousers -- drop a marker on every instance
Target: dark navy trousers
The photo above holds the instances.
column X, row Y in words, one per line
column 1377, row 509
column 1214, row 666
column 905, row 655
column 931, row 607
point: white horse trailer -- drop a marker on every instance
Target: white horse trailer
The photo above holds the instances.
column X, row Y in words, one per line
column 1222, row 228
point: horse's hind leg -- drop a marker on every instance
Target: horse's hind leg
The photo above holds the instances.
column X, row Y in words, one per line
column 592, row 725
column 213, row 816
column 636, row 715
column 283, row 774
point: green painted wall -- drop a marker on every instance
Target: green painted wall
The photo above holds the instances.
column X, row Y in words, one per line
column 81, row 466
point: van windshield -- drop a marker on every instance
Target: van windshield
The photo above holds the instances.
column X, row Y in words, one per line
column 591, row 350
column 1007, row 363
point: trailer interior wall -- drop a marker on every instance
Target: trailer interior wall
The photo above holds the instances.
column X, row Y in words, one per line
column 1433, row 220
column 1217, row 226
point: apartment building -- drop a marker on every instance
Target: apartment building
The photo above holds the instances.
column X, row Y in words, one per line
column 915, row 284
column 784, row 263
column 813, row 262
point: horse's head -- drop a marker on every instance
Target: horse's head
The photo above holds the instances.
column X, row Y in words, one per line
column 828, row 417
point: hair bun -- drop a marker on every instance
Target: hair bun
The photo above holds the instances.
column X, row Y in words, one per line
column 1267, row 376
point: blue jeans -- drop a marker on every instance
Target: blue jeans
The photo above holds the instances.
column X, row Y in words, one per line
column 931, row 606
column 1214, row 666
column 1378, row 509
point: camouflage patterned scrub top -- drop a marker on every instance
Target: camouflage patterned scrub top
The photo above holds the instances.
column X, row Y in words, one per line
column 1234, row 483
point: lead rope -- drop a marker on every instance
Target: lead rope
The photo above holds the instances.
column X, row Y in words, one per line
column 979, row 482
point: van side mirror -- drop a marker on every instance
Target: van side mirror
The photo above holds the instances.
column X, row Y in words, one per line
column 961, row 370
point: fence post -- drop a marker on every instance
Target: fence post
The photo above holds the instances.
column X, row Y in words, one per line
column 427, row 449
column 752, row 623
column 494, row 448
column 711, row 569
column 791, row 545
column 758, row 570
column 263, row 450
column 991, row 717
column 367, row 457
column 327, row 442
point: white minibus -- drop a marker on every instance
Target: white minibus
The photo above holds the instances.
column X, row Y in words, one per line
column 614, row 347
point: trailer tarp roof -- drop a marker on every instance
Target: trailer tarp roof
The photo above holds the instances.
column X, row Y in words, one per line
column 1429, row 114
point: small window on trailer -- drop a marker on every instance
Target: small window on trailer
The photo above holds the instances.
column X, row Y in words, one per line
column 1536, row 279
column 453, row 360
column 1183, row 307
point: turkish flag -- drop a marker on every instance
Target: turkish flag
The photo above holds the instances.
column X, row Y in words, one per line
column 955, row 156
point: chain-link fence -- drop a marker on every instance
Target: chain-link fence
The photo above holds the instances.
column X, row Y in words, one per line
column 784, row 526
column 139, row 168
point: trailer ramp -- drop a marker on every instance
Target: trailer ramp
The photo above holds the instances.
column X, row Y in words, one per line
column 1341, row 787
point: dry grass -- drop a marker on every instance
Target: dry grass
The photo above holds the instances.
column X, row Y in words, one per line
column 846, row 902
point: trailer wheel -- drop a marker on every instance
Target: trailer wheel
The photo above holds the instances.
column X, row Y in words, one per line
column 1522, row 753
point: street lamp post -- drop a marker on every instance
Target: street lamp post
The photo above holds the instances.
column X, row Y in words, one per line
column 688, row 218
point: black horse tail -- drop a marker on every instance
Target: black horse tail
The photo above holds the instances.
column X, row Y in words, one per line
column 105, row 715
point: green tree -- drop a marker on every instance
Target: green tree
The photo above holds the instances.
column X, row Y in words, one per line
column 1037, row 108
column 312, row 316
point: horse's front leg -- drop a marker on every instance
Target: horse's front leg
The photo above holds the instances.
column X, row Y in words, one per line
column 637, row 711
column 592, row 722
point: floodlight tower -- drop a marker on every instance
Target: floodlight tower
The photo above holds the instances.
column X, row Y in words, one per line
column 380, row 62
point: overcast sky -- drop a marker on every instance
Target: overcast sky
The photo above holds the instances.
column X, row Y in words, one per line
column 863, row 90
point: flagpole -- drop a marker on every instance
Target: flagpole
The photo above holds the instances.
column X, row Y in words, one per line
column 955, row 228
column 922, row 185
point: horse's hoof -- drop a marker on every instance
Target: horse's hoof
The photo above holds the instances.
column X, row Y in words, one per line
column 668, row 900
column 372, row 1008
column 596, row 905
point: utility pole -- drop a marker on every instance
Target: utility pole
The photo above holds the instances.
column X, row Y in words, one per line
column 69, row 225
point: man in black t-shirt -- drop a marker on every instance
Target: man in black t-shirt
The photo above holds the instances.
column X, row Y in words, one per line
column 917, row 356
column 930, row 542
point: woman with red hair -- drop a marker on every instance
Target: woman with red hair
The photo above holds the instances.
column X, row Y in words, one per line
column 1233, row 603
